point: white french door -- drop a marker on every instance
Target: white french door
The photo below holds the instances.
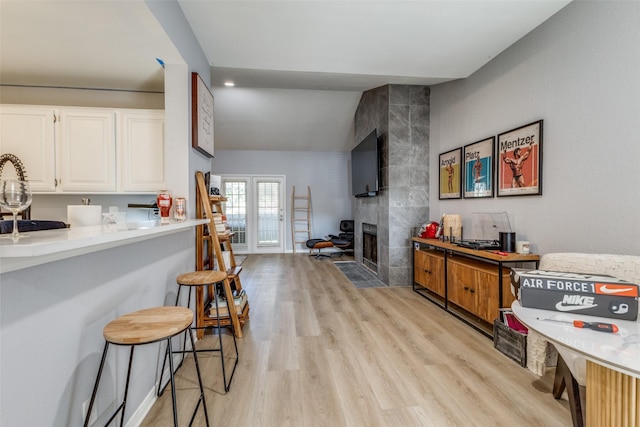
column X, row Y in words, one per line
column 255, row 212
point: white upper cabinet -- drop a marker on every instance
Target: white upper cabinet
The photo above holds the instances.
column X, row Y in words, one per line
column 28, row 133
column 141, row 150
column 85, row 149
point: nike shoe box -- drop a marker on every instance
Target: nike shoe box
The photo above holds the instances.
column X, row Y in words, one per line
column 576, row 293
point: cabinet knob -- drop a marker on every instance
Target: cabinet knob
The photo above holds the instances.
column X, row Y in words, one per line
column 428, row 271
column 472, row 290
column 466, row 288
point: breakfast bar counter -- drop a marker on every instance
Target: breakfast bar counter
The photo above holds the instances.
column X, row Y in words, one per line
column 58, row 289
column 39, row 247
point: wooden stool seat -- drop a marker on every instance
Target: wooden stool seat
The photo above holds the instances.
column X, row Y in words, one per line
column 199, row 278
column 147, row 326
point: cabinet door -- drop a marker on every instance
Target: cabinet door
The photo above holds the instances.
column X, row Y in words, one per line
column 86, row 150
column 141, row 150
column 487, row 291
column 27, row 132
column 462, row 287
column 429, row 270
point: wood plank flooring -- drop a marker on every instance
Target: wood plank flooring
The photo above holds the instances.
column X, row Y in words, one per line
column 319, row 352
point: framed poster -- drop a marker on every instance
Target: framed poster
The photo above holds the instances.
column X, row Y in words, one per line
column 520, row 161
column 478, row 168
column 450, row 174
column 201, row 116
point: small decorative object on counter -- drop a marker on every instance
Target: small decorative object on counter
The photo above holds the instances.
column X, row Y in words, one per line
column 164, row 201
column 522, row 247
column 180, row 213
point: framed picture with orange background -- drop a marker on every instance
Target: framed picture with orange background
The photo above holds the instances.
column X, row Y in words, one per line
column 450, row 166
column 520, row 161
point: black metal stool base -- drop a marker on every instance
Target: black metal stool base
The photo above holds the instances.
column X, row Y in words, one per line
column 122, row 407
column 226, row 383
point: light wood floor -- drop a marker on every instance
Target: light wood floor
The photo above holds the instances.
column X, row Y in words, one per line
column 319, row 352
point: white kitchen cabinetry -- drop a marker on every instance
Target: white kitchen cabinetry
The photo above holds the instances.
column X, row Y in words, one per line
column 28, row 133
column 84, row 149
column 141, row 150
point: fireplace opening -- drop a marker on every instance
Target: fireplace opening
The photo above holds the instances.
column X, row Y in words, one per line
column 370, row 246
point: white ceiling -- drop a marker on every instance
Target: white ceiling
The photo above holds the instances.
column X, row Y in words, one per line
column 299, row 66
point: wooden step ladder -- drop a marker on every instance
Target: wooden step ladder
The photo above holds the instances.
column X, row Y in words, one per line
column 300, row 217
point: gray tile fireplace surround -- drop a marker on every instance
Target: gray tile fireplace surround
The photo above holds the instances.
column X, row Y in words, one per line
column 400, row 113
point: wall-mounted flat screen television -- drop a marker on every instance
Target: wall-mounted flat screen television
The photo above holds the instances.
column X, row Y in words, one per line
column 365, row 169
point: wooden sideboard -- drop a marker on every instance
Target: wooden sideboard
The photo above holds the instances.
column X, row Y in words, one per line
column 471, row 284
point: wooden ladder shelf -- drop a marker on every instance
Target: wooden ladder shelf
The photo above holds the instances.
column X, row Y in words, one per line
column 300, row 218
column 210, row 242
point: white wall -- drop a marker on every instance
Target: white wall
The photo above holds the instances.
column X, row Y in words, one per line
column 327, row 173
column 579, row 72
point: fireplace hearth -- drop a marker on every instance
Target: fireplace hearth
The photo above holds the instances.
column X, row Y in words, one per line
column 370, row 246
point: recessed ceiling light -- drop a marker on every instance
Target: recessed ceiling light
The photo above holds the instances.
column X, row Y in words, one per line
column 229, row 84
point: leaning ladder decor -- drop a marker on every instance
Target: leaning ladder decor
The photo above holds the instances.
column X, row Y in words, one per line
column 300, row 217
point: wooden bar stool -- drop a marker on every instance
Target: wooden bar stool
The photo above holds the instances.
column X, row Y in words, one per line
column 219, row 281
column 145, row 327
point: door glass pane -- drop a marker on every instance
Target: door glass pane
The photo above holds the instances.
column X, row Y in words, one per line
column 235, row 210
column 268, row 211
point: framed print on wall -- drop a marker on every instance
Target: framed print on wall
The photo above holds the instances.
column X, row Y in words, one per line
column 478, row 169
column 520, row 161
column 450, row 174
column 201, row 116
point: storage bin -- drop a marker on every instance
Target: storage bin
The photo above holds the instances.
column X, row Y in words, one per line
column 509, row 342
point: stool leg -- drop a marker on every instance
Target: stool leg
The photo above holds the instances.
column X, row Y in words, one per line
column 195, row 359
column 123, row 405
column 126, row 388
column 167, row 354
column 95, row 387
column 230, row 306
column 173, row 386
column 215, row 298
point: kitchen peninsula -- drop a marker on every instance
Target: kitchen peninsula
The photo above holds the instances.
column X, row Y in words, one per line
column 58, row 288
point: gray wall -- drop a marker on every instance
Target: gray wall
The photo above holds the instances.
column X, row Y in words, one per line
column 327, row 173
column 579, row 72
column 400, row 114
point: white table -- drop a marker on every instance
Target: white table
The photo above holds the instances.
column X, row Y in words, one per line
column 609, row 364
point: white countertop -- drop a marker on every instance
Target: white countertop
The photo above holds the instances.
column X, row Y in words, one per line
column 619, row 351
column 44, row 246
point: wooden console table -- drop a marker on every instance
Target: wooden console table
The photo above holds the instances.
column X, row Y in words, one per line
column 470, row 284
